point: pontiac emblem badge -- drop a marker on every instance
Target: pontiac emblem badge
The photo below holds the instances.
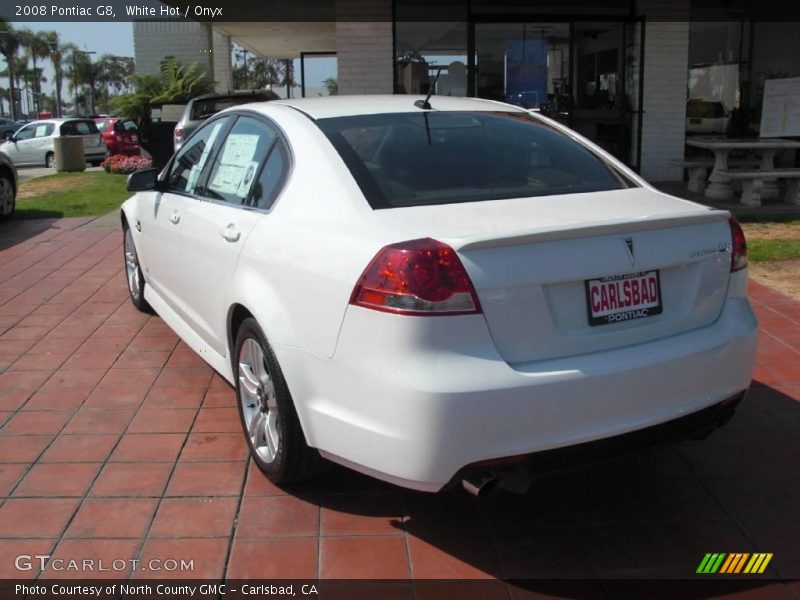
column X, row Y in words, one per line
column 628, row 241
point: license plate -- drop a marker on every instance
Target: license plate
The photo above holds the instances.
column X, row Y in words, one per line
column 623, row 297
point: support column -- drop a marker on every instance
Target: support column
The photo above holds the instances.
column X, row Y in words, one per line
column 364, row 46
column 666, row 71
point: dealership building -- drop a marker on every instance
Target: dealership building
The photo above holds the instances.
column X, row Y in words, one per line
column 637, row 77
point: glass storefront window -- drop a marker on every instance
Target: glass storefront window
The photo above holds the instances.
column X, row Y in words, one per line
column 526, row 64
column 422, row 48
column 718, row 57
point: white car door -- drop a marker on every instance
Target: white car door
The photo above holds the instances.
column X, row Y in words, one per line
column 162, row 218
column 19, row 149
column 42, row 143
column 237, row 191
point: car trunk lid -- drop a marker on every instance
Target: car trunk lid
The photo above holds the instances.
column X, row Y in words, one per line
column 541, row 265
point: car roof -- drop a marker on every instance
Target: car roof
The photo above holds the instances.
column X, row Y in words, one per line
column 59, row 121
column 324, row 107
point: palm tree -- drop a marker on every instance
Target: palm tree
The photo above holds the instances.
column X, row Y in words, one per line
column 176, row 85
column 114, row 77
column 333, row 86
column 9, row 46
column 24, row 79
column 37, row 47
column 179, row 83
column 57, row 52
column 85, row 73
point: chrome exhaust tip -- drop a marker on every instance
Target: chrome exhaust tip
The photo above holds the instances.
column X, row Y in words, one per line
column 481, row 485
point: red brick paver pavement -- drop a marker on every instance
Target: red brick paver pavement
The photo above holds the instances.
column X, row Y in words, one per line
column 116, row 441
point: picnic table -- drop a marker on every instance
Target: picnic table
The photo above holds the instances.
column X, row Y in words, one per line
column 719, row 186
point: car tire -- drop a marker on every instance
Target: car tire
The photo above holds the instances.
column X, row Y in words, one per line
column 50, row 160
column 8, row 197
column 133, row 272
column 269, row 419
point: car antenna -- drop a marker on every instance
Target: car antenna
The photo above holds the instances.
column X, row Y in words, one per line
column 425, row 104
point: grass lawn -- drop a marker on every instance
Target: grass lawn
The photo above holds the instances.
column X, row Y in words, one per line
column 773, row 240
column 70, row 195
column 773, row 247
column 765, row 250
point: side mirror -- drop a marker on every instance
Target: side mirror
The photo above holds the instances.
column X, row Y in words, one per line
column 143, row 180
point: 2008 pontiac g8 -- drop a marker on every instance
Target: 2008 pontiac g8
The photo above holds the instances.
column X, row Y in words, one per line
column 436, row 293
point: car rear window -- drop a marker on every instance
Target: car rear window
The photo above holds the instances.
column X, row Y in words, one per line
column 79, row 128
column 207, row 107
column 125, row 126
column 429, row 157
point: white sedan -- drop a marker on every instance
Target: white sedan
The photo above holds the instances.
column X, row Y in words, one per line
column 466, row 293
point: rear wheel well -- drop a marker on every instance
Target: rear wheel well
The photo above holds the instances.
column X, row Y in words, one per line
column 236, row 317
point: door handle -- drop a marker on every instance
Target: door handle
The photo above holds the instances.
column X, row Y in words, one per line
column 175, row 218
column 230, row 233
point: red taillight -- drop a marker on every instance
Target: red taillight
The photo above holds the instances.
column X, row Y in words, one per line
column 178, row 133
column 420, row 277
column 738, row 246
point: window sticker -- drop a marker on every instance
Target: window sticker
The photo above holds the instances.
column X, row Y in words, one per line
column 236, row 169
column 194, row 173
column 247, row 180
column 41, row 131
column 239, row 149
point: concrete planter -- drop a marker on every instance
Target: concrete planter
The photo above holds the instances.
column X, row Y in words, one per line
column 69, row 154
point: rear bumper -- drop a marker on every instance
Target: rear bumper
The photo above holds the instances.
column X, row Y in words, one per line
column 123, row 149
column 416, row 400
column 696, row 425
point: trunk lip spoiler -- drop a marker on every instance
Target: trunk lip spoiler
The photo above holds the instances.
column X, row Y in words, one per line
column 549, row 234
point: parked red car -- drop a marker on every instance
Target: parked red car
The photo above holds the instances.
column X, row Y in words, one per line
column 120, row 135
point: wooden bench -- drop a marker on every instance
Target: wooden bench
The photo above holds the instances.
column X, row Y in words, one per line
column 698, row 170
column 753, row 182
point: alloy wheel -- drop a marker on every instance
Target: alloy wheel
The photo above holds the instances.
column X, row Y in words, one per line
column 132, row 271
column 258, row 400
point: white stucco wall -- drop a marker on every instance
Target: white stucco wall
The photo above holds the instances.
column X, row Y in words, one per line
column 189, row 42
column 364, row 46
column 665, row 77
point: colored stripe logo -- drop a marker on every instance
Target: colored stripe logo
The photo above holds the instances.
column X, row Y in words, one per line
column 734, row 563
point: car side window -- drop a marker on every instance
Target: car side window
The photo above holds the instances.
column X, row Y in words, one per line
column 44, row 130
column 185, row 171
column 236, row 165
column 26, row 133
column 270, row 180
column 79, row 128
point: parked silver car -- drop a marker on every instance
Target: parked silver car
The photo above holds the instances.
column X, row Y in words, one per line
column 33, row 144
column 8, row 187
column 202, row 107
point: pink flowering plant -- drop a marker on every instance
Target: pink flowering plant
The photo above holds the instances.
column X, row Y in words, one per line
column 120, row 163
